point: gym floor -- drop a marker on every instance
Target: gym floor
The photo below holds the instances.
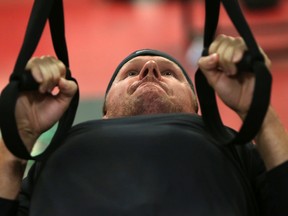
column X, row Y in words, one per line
column 101, row 33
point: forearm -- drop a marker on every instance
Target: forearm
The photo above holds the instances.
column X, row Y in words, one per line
column 272, row 141
column 11, row 173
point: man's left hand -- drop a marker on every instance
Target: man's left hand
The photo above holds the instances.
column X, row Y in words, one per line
column 219, row 67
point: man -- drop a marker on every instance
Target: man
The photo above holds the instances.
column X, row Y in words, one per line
column 152, row 155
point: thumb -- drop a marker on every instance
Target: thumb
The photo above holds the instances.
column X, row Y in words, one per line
column 209, row 67
column 67, row 89
column 208, row 63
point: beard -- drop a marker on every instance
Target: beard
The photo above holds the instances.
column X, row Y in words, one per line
column 144, row 104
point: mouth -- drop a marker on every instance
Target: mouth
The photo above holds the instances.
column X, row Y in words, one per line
column 148, row 84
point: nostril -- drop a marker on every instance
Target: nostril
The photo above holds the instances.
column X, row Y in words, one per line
column 145, row 73
column 156, row 74
column 150, row 69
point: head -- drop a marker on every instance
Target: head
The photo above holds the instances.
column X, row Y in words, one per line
column 149, row 82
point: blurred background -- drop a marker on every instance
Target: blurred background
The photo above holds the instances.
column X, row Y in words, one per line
column 100, row 33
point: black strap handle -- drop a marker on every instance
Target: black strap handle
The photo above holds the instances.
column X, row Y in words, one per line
column 252, row 61
column 19, row 81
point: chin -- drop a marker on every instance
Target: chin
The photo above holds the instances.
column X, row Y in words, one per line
column 153, row 102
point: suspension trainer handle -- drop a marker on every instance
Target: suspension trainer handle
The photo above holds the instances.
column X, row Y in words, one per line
column 41, row 11
column 28, row 83
column 252, row 61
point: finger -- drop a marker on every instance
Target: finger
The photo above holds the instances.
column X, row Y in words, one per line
column 221, row 46
column 232, row 55
column 209, row 67
column 224, row 51
column 208, row 63
column 39, row 68
column 47, row 74
column 60, row 65
column 57, row 70
column 226, row 61
column 51, row 70
column 230, row 50
column 240, row 48
column 33, row 67
column 67, row 89
column 216, row 43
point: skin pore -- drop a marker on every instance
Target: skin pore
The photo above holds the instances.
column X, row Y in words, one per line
column 149, row 85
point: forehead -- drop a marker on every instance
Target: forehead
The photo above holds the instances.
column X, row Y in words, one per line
column 141, row 60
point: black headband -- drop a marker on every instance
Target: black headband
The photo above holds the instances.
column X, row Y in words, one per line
column 147, row 52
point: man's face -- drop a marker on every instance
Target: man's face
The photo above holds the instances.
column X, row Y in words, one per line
column 149, row 85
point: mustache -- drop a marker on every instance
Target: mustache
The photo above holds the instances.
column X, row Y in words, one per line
column 134, row 86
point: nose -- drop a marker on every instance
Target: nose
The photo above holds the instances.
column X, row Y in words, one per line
column 150, row 69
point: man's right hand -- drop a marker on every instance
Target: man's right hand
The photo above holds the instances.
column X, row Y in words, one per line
column 37, row 111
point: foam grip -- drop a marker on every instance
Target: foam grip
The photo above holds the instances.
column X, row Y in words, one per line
column 27, row 82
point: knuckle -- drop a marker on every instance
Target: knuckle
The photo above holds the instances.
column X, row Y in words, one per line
column 33, row 61
column 47, row 57
column 222, row 36
column 61, row 66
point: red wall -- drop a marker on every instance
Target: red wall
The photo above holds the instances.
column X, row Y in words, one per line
column 100, row 34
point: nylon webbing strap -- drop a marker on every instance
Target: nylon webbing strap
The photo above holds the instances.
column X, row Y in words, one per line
column 252, row 61
column 41, row 11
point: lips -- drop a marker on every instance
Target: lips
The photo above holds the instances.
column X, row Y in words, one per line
column 143, row 83
column 149, row 84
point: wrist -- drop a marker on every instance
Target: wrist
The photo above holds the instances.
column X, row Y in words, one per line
column 28, row 138
column 8, row 158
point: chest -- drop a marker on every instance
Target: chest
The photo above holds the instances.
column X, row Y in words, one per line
column 144, row 170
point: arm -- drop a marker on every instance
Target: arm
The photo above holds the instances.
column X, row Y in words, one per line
column 272, row 141
column 35, row 113
column 236, row 92
column 11, row 169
